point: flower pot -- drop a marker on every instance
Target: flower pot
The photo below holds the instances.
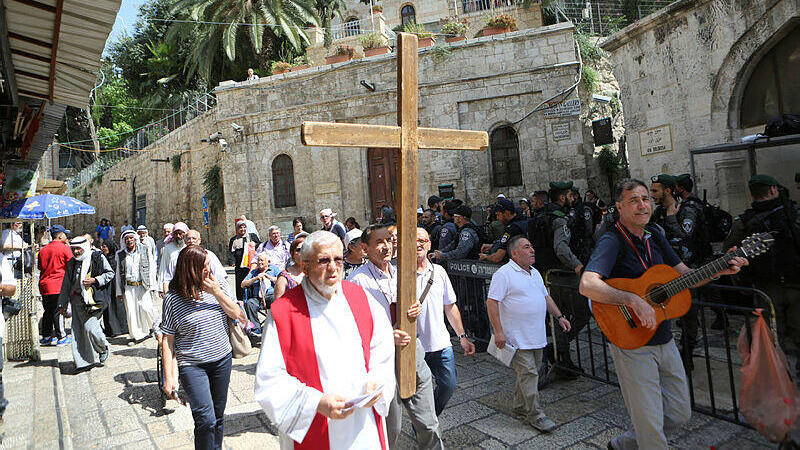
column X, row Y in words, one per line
column 337, row 58
column 489, row 31
column 377, row 51
column 279, row 71
column 300, row 67
column 455, row 38
column 425, row 42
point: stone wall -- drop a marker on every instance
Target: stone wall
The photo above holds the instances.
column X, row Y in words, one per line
column 479, row 84
column 682, row 71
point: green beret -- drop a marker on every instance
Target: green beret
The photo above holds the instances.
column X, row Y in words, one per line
column 561, row 185
column 762, row 179
column 682, row 177
column 664, row 179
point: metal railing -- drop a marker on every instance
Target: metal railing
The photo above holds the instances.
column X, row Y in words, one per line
column 605, row 17
column 21, row 340
column 145, row 137
column 714, row 382
column 471, row 6
column 352, row 28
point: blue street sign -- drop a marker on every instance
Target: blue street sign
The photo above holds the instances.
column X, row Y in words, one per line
column 205, row 212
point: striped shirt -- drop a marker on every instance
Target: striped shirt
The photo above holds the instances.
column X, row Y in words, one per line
column 200, row 328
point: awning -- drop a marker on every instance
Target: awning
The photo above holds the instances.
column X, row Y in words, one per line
column 56, row 46
column 45, row 186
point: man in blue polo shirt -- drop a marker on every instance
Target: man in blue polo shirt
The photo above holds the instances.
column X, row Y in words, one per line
column 261, row 282
column 652, row 378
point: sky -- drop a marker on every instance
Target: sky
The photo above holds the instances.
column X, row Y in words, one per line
column 125, row 18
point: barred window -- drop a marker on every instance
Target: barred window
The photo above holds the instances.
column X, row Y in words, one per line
column 408, row 15
column 283, row 181
column 352, row 27
column 504, row 151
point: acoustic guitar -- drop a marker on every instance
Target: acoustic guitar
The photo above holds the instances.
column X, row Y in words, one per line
column 666, row 291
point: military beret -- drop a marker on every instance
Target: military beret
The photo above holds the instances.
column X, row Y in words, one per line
column 561, row 185
column 504, row 204
column 664, row 179
column 683, row 176
column 463, row 211
column 762, row 179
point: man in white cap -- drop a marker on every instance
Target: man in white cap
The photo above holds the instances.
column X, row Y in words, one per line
column 147, row 241
column 160, row 244
column 354, row 256
column 134, row 286
column 173, row 243
column 329, row 223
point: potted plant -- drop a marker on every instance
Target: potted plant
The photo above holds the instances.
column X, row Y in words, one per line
column 499, row 24
column 374, row 44
column 279, row 67
column 454, row 29
column 425, row 37
column 377, row 9
column 343, row 53
column 299, row 63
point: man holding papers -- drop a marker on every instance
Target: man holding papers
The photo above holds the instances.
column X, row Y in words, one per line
column 517, row 304
column 327, row 343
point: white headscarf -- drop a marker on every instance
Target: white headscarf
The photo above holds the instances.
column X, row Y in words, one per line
column 86, row 262
column 135, row 235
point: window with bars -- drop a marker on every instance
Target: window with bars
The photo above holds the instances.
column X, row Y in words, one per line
column 352, row 27
column 408, row 15
column 772, row 88
column 283, row 181
column 504, row 151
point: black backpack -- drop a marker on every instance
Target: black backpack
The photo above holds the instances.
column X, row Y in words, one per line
column 484, row 232
column 718, row 222
column 783, row 125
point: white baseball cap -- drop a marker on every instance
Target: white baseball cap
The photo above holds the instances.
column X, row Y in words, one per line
column 352, row 235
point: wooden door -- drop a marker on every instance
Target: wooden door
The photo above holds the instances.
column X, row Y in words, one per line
column 382, row 178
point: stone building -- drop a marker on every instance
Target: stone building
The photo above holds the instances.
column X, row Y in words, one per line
column 704, row 73
column 489, row 83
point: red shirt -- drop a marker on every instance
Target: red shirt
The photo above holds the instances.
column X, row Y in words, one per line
column 52, row 260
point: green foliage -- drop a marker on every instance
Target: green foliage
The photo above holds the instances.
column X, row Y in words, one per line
column 213, row 190
column 176, row 163
column 453, row 27
column 502, row 21
column 418, row 29
column 440, row 53
column 589, row 77
column 280, row 66
column 371, row 40
column 326, row 11
column 114, row 137
column 344, row 50
column 609, row 161
column 590, row 52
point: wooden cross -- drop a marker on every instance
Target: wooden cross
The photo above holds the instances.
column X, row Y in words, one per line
column 406, row 138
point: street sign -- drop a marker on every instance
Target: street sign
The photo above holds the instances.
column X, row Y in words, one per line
column 205, row 212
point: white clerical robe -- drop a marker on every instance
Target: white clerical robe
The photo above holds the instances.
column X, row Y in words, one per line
column 292, row 405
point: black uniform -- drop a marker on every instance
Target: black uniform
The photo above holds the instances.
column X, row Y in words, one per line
column 517, row 227
column 581, row 228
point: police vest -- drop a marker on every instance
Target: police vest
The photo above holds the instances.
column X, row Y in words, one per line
column 782, row 260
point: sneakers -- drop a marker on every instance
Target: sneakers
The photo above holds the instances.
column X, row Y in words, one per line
column 45, row 340
column 543, row 424
column 103, row 357
column 63, row 341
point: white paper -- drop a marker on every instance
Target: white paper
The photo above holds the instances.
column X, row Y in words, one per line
column 362, row 400
column 504, row 355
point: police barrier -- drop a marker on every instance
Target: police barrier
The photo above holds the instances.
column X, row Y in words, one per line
column 714, row 381
column 21, row 337
column 713, row 368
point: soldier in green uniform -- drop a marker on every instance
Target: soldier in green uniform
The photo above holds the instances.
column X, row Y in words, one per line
column 774, row 272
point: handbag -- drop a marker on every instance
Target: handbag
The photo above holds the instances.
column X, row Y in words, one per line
column 240, row 342
column 11, row 307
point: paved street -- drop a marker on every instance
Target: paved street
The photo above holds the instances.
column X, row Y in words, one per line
column 117, row 407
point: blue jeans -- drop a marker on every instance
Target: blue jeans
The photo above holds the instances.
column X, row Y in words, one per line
column 443, row 368
column 206, row 387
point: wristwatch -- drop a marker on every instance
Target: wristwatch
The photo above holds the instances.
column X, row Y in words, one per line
column 462, row 336
column 560, row 317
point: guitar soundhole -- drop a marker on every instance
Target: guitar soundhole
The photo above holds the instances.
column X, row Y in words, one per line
column 657, row 295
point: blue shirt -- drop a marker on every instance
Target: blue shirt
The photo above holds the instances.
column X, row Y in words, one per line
column 613, row 257
column 272, row 270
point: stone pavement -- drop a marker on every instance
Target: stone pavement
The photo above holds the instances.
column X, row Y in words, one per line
column 117, row 406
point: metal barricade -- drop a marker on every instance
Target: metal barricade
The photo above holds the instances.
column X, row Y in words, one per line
column 470, row 280
column 20, row 340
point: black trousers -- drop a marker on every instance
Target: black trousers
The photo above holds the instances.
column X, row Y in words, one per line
column 240, row 274
column 52, row 320
column 564, row 290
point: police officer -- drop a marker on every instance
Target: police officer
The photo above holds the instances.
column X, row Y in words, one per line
column 581, row 226
column 449, row 231
column 469, row 242
column 515, row 224
column 662, row 191
column 774, row 272
column 432, row 226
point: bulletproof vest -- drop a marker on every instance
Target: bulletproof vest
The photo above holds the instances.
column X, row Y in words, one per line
column 580, row 221
column 699, row 241
column 540, row 234
column 476, row 246
column 782, row 260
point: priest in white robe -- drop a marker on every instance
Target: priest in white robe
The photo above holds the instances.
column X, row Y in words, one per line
column 326, row 342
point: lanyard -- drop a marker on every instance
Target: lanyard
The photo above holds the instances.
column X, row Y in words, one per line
column 630, row 242
column 389, row 297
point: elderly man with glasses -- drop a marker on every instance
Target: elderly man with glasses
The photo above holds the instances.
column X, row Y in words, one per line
column 329, row 223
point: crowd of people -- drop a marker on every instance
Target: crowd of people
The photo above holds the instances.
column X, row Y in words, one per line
column 323, row 305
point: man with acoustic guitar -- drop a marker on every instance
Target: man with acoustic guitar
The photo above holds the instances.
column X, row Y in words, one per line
column 651, row 377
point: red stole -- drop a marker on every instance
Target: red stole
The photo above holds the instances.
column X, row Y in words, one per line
column 293, row 324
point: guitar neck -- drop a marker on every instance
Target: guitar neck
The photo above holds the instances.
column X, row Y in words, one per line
column 700, row 274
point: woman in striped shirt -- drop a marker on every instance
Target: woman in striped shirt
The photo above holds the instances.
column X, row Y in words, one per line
column 195, row 326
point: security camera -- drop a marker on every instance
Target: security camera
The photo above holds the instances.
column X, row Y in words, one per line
column 215, row 137
column 237, row 128
column 223, row 143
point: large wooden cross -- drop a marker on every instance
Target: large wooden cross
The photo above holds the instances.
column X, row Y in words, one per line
column 406, row 137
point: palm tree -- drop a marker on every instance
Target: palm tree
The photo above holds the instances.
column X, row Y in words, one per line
column 231, row 30
column 328, row 9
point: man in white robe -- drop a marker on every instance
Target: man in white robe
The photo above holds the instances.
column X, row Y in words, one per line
column 172, row 244
column 134, row 287
column 326, row 342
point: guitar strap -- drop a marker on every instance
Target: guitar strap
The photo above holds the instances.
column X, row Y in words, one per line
column 630, row 242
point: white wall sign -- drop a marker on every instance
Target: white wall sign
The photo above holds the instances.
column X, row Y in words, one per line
column 560, row 131
column 565, row 109
column 446, row 175
column 655, row 140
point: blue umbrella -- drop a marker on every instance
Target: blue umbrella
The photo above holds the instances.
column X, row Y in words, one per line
column 48, row 206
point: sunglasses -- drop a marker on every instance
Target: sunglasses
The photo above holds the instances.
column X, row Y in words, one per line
column 325, row 261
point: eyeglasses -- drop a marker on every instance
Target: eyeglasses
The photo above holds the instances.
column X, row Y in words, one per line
column 325, row 261
column 323, row 217
column 423, row 241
